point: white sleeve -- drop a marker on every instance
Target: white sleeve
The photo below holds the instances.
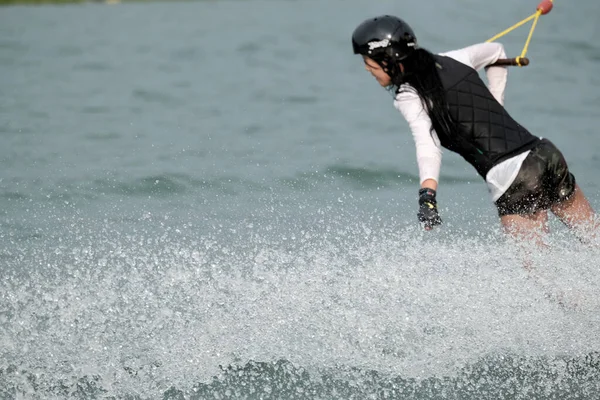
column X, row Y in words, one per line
column 429, row 153
column 480, row 56
column 484, row 54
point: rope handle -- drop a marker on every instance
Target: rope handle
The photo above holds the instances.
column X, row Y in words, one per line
column 543, row 8
column 511, row 62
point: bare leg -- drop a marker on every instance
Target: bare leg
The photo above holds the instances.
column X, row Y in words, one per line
column 577, row 214
column 528, row 232
column 526, row 228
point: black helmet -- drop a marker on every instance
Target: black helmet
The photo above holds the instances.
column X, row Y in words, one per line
column 385, row 38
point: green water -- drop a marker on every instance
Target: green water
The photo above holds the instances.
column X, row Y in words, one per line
column 191, row 190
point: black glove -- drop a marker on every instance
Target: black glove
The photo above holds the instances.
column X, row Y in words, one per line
column 428, row 212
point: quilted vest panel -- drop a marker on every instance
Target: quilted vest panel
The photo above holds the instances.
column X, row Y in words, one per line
column 486, row 134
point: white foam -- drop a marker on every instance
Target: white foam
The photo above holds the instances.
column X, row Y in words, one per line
column 144, row 314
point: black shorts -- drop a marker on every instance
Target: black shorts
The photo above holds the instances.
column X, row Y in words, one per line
column 543, row 181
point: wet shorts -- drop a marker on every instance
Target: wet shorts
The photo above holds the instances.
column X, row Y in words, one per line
column 543, row 181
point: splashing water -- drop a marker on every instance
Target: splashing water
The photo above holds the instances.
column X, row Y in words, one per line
column 350, row 313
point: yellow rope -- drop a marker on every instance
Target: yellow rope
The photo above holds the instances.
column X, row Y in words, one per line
column 512, row 28
column 535, row 17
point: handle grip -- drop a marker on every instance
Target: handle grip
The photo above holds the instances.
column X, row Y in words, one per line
column 511, row 62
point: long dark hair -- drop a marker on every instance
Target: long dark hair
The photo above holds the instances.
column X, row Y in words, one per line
column 421, row 73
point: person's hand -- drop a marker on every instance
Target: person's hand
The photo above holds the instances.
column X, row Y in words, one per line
column 428, row 212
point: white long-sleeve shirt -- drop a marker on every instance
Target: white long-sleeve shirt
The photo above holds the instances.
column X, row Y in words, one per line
column 429, row 152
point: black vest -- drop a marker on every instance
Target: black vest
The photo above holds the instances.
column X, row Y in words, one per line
column 486, row 135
